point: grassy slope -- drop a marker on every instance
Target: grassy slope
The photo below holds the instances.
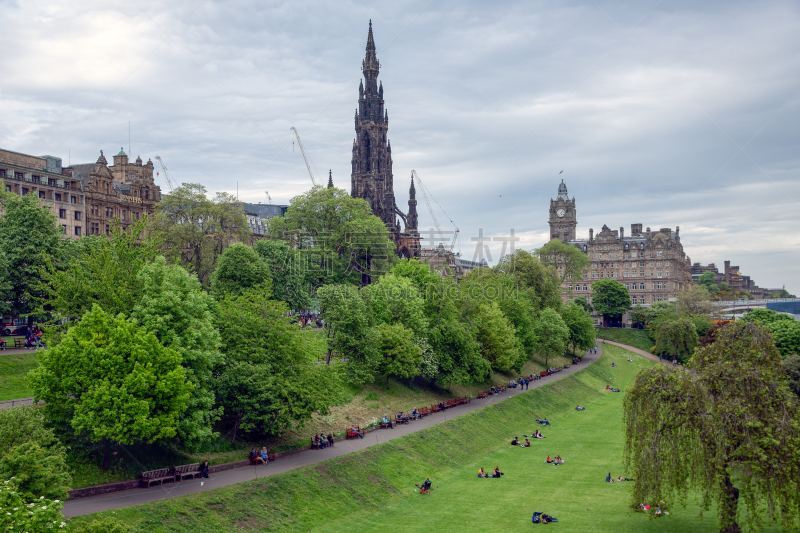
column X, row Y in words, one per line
column 638, row 338
column 13, row 369
column 374, row 488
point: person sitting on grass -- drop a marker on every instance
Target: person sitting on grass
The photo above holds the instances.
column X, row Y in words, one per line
column 497, row 472
column 537, row 435
column 548, row 460
column 515, row 441
column 608, row 478
column 527, row 443
column 481, row 473
column 558, row 460
column 579, row 408
column 426, row 485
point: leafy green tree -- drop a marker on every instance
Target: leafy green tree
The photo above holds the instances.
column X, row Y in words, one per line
column 676, row 338
column 783, row 293
column 196, row 229
column 36, row 471
column 610, row 297
column 539, row 281
column 400, row 356
column 708, row 281
column 350, row 332
column 19, row 514
column 239, row 268
column 338, row 236
column 458, row 354
column 702, row 324
column 522, row 315
column 5, row 284
column 112, row 380
column 288, row 282
column 102, row 271
column 174, row 307
column 568, row 261
column 270, row 382
column 583, row 302
column 639, row 314
column 553, row 335
column 30, row 240
column 396, row 300
column 581, row 327
column 765, row 316
column 787, row 336
column 726, row 430
column 791, row 365
column 22, row 424
column 497, row 338
column 694, row 300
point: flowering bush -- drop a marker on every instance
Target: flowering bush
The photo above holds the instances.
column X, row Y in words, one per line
column 32, row 517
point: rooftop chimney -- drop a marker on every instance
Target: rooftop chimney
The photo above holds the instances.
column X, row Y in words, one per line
column 591, row 234
column 621, row 233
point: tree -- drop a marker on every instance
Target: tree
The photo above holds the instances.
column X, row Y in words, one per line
column 339, row 238
column 288, row 282
column 239, row 268
column 708, row 281
column 5, row 284
column 787, row 336
column 783, row 293
column 726, row 430
column 765, row 316
column 569, row 261
column 694, row 300
column 36, row 471
column 581, row 327
column 497, row 338
column 112, row 380
column 22, row 424
column 791, row 365
column 677, row 338
column 30, row 240
column 610, row 297
column 539, row 281
column 196, row 230
column 174, row 307
column 639, row 314
column 553, row 335
column 400, row 356
column 100, row 271
column 396, row 300
column 270, row 382
column 19, row 514
column 583, row 302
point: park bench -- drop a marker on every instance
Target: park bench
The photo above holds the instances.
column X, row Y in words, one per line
column 451, row 403
column 435, row 408
column 482, row 394
column 314, row 445
column 385, row 425
column 465, row 399
column 424, row 411
column 187, row 470
column 402, row 420
column 503, row 388
column 19, row 343
column 543, row 373
column 352, row 434
column 161, row 475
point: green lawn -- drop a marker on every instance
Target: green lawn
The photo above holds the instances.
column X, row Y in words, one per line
column 373, row 490
column 638, row 338
column 13, row 369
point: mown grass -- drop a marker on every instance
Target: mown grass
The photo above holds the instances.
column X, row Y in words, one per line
column 638, row 338
column 13, row 369
column 373, row 490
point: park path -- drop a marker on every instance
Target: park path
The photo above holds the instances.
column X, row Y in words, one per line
column 127, row 498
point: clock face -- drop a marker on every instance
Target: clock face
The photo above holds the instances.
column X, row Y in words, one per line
column 560, row 213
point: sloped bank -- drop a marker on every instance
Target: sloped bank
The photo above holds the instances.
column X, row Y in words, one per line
column 365, row 480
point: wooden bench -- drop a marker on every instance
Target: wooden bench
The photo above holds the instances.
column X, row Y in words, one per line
column 401, row 420
column 435, row 408
column 314, row 446
column 543, row 373
column 187, row 470
column 352, row 434
column 482, row 394
column 161, row 475
column 424, row 411
column 465, row 399
column 385, row 425
column 503, row 388
column 270, row 455
column 19, row 343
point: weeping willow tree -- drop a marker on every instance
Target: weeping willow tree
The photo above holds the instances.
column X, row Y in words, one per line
column 726, row 430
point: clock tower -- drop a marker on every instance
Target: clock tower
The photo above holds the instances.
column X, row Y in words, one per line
column 562, row 216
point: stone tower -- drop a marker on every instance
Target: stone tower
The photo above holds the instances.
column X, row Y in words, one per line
column 372, row 153
column 563, row 219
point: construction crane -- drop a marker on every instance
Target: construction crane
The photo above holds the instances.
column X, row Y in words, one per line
column 269, row 197
column 305, row 158
column 167, row 175
column 422, row 188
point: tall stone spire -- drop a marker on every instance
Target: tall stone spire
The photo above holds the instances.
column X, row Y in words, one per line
column 412, row 219
column 330, row 179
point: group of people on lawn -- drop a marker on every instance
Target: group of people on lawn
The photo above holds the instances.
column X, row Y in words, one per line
column 497, row 473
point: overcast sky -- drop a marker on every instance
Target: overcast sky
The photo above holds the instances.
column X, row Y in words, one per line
column 661, row 113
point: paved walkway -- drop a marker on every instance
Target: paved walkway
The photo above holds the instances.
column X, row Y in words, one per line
column 115, row 500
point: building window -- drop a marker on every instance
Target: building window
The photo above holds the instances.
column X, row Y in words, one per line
column 95, row 228
column 130, row 176
column 123, row 214
column 78, row 231
column 41, row 194
column 77, row 215
column 62, row 213
column 2, row 173
column 146, row 193
column 58, row 197
column 73, row 200
column 659, row 273
column 18, row 175
column 24, row 191
column 585, row 287
column 667, row 273
column 108, row 230
column 659, row 253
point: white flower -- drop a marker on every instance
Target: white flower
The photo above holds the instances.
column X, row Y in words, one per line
column 41, row 497
column 56, row 501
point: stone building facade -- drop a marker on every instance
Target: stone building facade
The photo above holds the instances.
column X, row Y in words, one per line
column 124, row 191
column 56, row 187
column 733, row 277
column 650, row 264
column 372, row 177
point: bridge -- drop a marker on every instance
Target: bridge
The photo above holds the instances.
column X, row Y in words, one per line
column 784, row 305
